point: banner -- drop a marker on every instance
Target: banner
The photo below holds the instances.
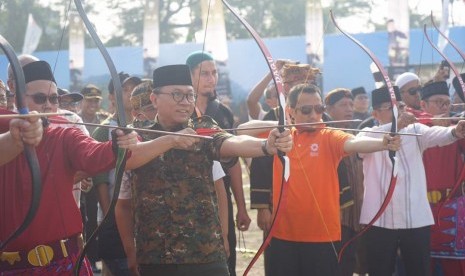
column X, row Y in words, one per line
column 32, row 36
column 314, row 33
column 151, row 37
column 216, row 43
column 444, row 27
column 398, row 27
column 76, row 51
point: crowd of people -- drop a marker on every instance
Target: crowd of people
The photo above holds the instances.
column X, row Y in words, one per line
column 174, row 214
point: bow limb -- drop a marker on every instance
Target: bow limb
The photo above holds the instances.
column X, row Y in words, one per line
column 122, row 153
column 281, row 105
column 392, row 156
column 462, row 55
column 460, row 93
column 452, row 66
column 31, row 156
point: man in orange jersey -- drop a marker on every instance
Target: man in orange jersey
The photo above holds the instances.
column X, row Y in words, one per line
column 308, row 219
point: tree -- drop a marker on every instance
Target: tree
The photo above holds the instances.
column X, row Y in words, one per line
column 271, row 18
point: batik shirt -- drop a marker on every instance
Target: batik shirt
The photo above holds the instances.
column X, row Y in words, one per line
column 176, row 209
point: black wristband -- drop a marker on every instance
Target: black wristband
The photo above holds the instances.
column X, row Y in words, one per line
column 265, row 151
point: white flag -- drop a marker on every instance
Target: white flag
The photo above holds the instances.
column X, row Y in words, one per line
column 32, row 37
column 444, row 27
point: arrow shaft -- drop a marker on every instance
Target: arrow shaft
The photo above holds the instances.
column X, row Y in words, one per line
column 137, row 129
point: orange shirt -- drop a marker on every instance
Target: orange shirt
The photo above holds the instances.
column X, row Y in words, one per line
column 311, row 210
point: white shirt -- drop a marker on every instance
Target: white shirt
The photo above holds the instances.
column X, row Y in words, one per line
column 409, row 207
column 72, row 118
column 126, row 193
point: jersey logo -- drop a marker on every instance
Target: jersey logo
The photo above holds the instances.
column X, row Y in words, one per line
column 314, row 150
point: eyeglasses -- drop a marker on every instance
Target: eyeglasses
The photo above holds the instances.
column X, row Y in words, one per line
column 179, row 96
column 308, row 109
column 414, row 90
column 440, row 103
column 41, row 98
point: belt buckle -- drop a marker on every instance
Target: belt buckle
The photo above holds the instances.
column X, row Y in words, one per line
column 40, row 255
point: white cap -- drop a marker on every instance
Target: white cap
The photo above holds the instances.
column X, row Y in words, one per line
column 405, row 78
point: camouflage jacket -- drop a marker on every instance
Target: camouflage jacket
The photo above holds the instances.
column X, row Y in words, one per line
column 176, row 209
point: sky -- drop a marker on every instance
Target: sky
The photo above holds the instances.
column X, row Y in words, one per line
column 106, row 27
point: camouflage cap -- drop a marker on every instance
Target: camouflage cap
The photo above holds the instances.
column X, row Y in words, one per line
column 298, row 73
column 91, row 92
column 140, row 96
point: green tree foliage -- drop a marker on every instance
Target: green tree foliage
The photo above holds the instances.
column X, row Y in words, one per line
column 271, row 18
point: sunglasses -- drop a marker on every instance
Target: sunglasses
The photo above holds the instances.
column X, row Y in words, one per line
column 308, row 109
column 41, row 98
column 414, row 90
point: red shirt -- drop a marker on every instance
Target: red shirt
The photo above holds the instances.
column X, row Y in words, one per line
column 443, row 166
column 62, row 152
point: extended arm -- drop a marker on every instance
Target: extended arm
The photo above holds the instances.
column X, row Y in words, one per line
column 247, row 146
column 244, row 129
column 144, row 152
column 364, row 144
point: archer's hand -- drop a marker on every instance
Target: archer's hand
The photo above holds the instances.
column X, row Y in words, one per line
column 183, row 142
column 391, row 143
column 86, row 184
column 126, row 141
column 459, row 131
column 442, row 74
column 278, row 141
column 405, row 118
column 28, row 131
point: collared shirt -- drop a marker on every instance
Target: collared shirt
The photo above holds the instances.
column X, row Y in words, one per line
column 61, row 153
column 409, row 207
column 176, row 209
